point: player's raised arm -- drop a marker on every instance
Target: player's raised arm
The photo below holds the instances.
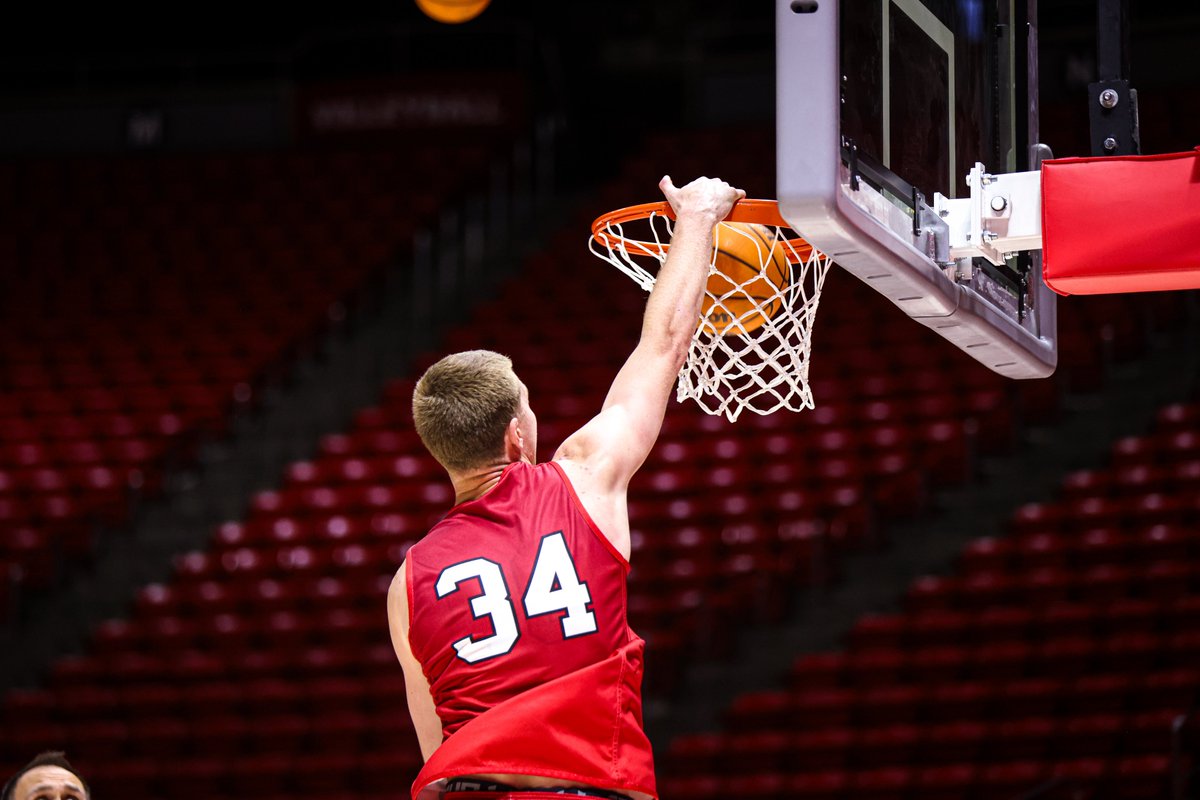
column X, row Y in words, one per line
column 616, row 442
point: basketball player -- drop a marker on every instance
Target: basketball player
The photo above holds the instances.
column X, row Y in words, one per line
column 49, row 776
column 508, row 618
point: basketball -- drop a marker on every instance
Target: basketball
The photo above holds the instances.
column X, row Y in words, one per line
column 452, row 11
column 743, row 292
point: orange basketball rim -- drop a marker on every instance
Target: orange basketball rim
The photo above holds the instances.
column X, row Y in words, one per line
column 607, row 228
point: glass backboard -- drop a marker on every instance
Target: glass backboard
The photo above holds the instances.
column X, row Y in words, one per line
column 881, row 105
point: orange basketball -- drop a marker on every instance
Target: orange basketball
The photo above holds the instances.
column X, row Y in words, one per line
column 452, row 11
column 751, row 269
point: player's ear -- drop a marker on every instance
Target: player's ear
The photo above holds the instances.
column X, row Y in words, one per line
column 513, row 439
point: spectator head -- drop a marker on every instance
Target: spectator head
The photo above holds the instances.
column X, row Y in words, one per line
column 49, row 776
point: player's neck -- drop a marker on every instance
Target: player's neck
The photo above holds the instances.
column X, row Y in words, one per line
column 472, row 485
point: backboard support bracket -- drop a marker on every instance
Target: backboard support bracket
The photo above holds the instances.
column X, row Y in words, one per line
column 1001, row 216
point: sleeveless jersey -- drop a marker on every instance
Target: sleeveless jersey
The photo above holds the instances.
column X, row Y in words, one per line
column 517, row 615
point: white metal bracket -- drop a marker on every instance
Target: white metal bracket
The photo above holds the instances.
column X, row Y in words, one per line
column 1002, row 215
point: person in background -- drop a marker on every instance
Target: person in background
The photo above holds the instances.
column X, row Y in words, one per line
column 49, row 776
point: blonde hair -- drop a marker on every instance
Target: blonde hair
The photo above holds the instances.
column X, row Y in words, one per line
column 462, row 406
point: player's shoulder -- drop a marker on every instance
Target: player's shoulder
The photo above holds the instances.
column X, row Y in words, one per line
column 433, row 541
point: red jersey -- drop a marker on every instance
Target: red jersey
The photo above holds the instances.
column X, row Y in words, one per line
column 517, row 615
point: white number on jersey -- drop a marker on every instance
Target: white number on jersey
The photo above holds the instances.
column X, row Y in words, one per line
column 492, row 603
column 554, row 586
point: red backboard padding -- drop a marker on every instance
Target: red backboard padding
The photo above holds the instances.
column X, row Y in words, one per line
column 1121, row 223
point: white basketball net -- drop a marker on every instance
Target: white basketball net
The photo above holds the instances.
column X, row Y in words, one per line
column 763, row 368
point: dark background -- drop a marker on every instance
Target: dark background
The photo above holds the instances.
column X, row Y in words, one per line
column 615, row 65
column 611, row 72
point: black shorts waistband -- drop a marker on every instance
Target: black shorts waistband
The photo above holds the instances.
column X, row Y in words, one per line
column 476, row 785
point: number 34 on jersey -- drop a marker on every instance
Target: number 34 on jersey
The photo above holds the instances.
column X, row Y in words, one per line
column 553, row 585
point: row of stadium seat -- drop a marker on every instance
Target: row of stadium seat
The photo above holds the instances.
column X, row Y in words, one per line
column 1065, row 656
column 157, row 698
column 950, row 702
column 1020, row 623
column 1003, row 740
column 1129, row 777
column 1112, row 544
